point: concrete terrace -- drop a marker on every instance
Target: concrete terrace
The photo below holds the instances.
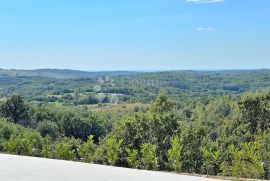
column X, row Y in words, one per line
column 21, row 168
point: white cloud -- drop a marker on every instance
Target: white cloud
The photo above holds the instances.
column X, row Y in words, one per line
column 206, row 29
column 204, row 1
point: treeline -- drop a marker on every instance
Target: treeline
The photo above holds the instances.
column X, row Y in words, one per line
column 73, row 88
column 227, row 136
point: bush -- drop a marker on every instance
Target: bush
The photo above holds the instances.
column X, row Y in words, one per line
column 7, row 129
column 66, row 149
column 211, row 160
column 175, row 155
column 87, row 150
column 48, row 128
column 47, row 148
column 28, row 143
column 81, row 125
column 109, row 151
column 245, row 162
column 149, row 160
column 132, row 158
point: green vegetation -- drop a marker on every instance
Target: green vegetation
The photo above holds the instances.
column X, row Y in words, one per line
column 175, row 155
column 210, row 131
column 85, row 88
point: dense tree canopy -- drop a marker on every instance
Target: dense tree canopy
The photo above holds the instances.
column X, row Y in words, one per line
column 15, row 109
column 228, row 135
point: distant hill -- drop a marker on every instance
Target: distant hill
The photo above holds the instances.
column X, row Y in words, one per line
column 69, row 86
column 61, row 73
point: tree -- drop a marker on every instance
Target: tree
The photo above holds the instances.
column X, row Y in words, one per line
column 47, row 148
column 81, row 125
column 66, row 149
column 87, row 150
column 211, row 161
column 175, row 155
column 109, row 151
column 256, row 112
column 15, row 109
column 162, row 104
column 48, row 128
column 156, row 128
column 245, row 162
column 112, row 150
column 132, row 158
column 149, row 159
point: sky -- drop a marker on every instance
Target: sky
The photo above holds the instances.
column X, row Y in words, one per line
column 135, row 34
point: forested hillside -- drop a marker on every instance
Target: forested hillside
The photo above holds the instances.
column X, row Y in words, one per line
column 213, row 123
column 60, row 73
column 86, row 88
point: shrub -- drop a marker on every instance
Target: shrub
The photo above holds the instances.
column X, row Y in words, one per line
column 149, row 160
column 47, row 148
column 211, row 160
column 81, row 125
column 132, row 158
column 87, row 150
column 28, row 143
column 245, row 163
column 7, row 129
column 109, row 151
column 175, row 155
column 48, row 128
column 66, row 149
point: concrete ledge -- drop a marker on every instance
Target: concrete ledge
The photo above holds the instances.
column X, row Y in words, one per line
column 21, row 168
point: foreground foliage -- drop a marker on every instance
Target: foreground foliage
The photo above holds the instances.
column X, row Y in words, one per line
column 224, row 136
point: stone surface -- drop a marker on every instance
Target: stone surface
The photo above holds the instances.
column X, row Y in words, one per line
column 21, row 168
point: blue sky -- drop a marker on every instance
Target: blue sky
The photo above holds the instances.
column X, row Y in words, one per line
column 135, row 34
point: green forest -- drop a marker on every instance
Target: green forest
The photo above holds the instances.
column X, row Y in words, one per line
column 197, row 122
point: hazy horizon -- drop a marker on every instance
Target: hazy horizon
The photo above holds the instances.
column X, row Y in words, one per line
column 135, row 70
